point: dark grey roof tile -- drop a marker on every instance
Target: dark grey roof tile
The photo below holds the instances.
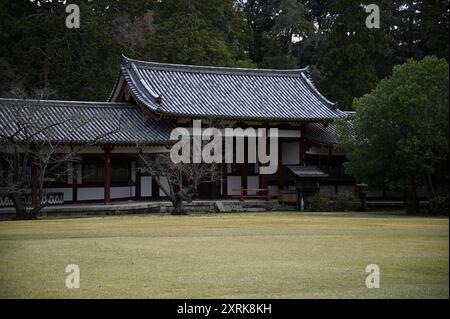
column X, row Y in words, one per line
column 323, row 134
column 83, row 122
column 200, row 91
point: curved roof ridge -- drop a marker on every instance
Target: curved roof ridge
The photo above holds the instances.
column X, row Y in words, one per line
column 135, row 85
column 311, row 84
column 214, row 69
column 205, row 91
column 68, row 103
column 149, row 89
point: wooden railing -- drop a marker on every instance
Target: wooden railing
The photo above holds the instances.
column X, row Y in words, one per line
column 243, row 195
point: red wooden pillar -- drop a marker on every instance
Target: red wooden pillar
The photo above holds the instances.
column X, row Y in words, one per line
column 262, row 181
column 107, row 177
column 34, row 184
column 224, row 179
column 244, row 169
column 244, row 174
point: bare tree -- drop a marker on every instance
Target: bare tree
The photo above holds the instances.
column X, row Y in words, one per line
column 32, row 154
column 182, row 178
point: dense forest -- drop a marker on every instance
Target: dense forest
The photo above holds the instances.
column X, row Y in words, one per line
column 346, row 59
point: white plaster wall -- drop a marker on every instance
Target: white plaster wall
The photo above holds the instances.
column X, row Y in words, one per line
column 90, row 193
column 233, row 182
column 146, row 186
column 291, row 153
column 252, row 182
column 122, row 192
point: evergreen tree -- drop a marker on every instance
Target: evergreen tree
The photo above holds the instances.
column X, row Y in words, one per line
column 280, row 29
column 40, row 52
column 420, row 28
column 198, row 32
column 356, row 56
column 399, row 135
column 346, row 58
column 347, row 72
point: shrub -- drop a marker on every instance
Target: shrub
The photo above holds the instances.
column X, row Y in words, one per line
column 320, row 202
column 345, row 201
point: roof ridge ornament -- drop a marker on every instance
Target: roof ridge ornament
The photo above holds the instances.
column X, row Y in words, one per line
column 310, row 82
column 150, row 90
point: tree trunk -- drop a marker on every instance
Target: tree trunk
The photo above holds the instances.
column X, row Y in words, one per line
column 430, row 186
column 413, row 202
column 178, row 205
column 33, row 213
column 178, row 208
column 20, row 206
column 431, row 193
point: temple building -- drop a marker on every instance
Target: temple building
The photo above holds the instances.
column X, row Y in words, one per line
column 150, row 99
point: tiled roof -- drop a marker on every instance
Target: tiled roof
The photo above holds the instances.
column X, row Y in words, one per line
column 307, row 171
column 235, row 93
column 319, row 133
column 83, row 122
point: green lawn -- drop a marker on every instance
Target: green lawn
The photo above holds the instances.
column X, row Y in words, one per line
column 258, row 255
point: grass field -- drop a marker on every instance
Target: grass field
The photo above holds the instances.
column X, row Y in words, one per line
column 259, row 255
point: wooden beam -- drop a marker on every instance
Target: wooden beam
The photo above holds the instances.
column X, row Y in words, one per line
column 224, row 180
column 244, row 166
